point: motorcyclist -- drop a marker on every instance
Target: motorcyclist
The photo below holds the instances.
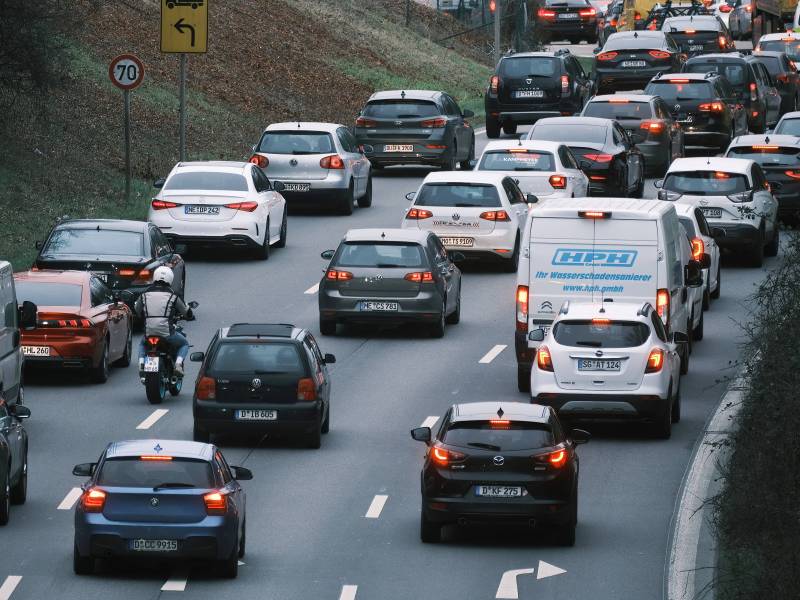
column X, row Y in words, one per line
column 160, row 307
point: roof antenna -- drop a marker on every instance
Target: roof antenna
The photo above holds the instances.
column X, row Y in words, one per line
column 383, row 234
column 602, row 300
column 403, row 94
column 636, row 34
column 500, row 412
column 766, row 140
column 298, row 124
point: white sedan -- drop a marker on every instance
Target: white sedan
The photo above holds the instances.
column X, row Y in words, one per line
column 702, row 240
column 546, row 169
column 221, row 203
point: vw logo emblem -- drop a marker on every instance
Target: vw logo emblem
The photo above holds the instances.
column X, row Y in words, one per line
column 676, row 108
column 293, row 162
column 154, row 502
column 529, row 80
column 456, row 217
column 256, row 383
column 498, row 461
column 398, row 122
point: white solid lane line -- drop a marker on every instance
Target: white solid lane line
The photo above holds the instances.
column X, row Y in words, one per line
column 430, row 421
column 11, row 583
column 313, row 289
column 70, row 499
column 492, row 354
column 176, row 583
column 374, row 510
column 348, row 592
column 150, row 421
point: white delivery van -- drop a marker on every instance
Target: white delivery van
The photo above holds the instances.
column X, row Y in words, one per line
column 602, row 249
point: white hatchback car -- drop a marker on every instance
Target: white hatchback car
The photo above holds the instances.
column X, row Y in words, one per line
column 701, row 237
column 478, row 213
column 733, row 195
column 220, row 203
column 546, row 169
column 609, row 361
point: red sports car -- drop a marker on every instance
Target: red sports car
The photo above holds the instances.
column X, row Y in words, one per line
column 79, row 325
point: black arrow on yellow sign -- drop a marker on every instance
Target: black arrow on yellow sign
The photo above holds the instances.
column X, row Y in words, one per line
column 182, row 27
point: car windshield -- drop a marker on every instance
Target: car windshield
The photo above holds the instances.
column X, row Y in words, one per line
column 706, row 183
column 401, row 109
column 207, row 180
column 95, row 242
column 788, row 127
column 296, row 142
column 688, row 226
column 458, row 194
column 257, row 357
column 790, row 47
column 44, row 293
column 601, row 333
column 499, row 436
column 767, row 155
column 507, row 160
column 628, row 42
column 515, row 68
column 618, row 109
column 733, row 72
column 140, row 472
column 380, row 255
column 773, row 64
column 676, row 92
column 564, row 132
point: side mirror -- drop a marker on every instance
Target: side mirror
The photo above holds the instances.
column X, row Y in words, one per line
column 20, row 411
column 27, row 315
column 39, row 244
column 537, row 335
column 159, row 183
column 776, row 185
column 328, row 254
column 584, row 165
column 468, row 113
column 637, row 137
column 579, row 436
column 197, row 356
column 596, row 50
column 421, row 434
column 679, row 337
column 658, row 184
column 473, row 164
column 457, row 257
column 84, row 469
column 410, row 196
column 277, row 186
column 694, row 274
column 126, row 296
column 329, row 359
column 193, row 304
column 718, row 232
column 242, row 474
column 705, row 260
column 531, row 199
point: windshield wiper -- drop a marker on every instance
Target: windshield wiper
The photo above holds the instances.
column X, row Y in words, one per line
column 388, row 266
column 172, row 484
column 591, row 344
column 485, row 446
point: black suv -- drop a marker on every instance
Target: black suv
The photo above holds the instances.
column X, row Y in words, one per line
column 529, row 86
column 572, row 20
column 261, row 378
column 629, row 59
column 705, row 106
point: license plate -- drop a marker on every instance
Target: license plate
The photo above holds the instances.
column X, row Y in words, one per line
column 633, row 63
column 460, row 242
column 247, row 414
column 378, row 306
column 568, row 16
column 529, row 94
column 36, row 350
column 498, row 491
column 398, row 148
column 296, row 187
column 598, row 364
column 712, row 213
column 151, row 364
column 194, row 209
column 154, row 545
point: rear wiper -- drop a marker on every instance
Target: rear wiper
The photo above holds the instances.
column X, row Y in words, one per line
column 465, row 205
column 591, row 344
column 485, row 446
column 388, row 266
column 271, row 372
column 172, row 484
column 409, row 116
column 300, row 152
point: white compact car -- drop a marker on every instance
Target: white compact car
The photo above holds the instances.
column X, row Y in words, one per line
column 478, row 213
column 733, row 195
column 546, row 169
column 609, row 361
column 220, row 203
column 789, row 123
column 701, row 237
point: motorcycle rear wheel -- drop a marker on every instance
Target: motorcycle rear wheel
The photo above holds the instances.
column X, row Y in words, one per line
column 156, row 387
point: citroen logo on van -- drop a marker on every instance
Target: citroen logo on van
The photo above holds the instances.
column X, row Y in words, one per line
column 498, row 461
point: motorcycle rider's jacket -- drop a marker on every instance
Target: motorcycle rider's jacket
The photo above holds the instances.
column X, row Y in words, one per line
column 159, row 306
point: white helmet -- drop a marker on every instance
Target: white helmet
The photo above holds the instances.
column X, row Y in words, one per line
column 163, row 274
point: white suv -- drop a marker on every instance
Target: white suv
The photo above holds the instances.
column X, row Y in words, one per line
column 609, row 361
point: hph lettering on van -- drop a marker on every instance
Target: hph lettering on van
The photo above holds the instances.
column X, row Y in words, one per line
column 573, row 257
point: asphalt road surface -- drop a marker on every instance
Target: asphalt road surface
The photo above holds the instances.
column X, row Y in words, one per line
column 343, row 521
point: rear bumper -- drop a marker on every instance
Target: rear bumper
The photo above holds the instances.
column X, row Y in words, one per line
column 316, row 195
column 568, row 27
column 628, row 80
column 78, row 352
column 235, row 231
column 473, row 509
column 58, row 362
column 420, row 154
column 219, row 417
column 736, row 235
column 233, row 240
column 610, row 406
column 530, row 113
column 425, row 307
column 706, row 137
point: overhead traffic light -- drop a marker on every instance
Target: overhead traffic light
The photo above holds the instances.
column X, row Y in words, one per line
column 492, row 6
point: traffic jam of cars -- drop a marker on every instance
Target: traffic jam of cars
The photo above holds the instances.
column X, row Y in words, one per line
column 609, row 287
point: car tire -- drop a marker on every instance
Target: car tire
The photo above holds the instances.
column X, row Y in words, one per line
column 326, row 424
column 125, row 359
column 697, row 332
column 523, row 379
column 327, row 326
column 229, row 568
column 566, row 533
column 19, row 492
column 716, row 291
column 200, row 435
column 449, row 164
column 454, row 317
column 465, row 164
column 243, row 540
column 5, row 498
column 377, row 166
column 437, row 328
column 774, row 244
column 706, row 299
column 511, row 265
column 366, row 200
column 263, row 251
column 757, row 252
column 676, row 405
column 347, row 202
column 510, row 128
column 429, row 532
column 281, row 243
column 639, row 191
column 662, row 429
column 492, row 128
column 99, row 373
column 82, row 565
column 314, row 439
column 685, row 359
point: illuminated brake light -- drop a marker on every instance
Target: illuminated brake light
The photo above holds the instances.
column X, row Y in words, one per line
column 607, row 55
column 594, row 214
column 558, row 182
column 494, row 84
column 767, row 148
column 418, row 213
column 334, row 161
column 659, row 54
column 260, row 161
column 698, row 248
column 546, row 14
column 365, row 122
column 618, row 101
column 306, row 389
column 565, row 84
column 652, row 126
column 155, row 458
column 662, row 305
column 753, row 92
column 501, row 423
column 443, row 456
column 436, row 123
column 126, row 272
column 717, row 107
column 601, row 321
column 334, row 275
column 420, row 277
column 522, row 308
column 245, row 206
column 543, row 359
column 206, row 389
column 558, row 458
column 216, row 503
column 163, row 204
column 637, row 16
column 678, row 81
column 495, row 215
column 722, row 41
column 655, row 361
column 153, row 340
column 587, row 13
column 600, row 158
column 93, row 500
column 690, row 32
column 792, row 174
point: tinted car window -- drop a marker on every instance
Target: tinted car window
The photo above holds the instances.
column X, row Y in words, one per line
column 208, row 180
column 619, row 110
column 507, row 437
column 372, row 254
column 768, row 155
column 632, row 43
column 790, row 47
column 772, row 63
column 264, row 358
column 563, row 132
column 706, row 183
column 400, row 109
column 524, row 66
column 735, row 73
column 789, row 127
column 673, row 92
column 461, row 194
column 96, row 242
column 503, row 160
column 600, row 333
column 296, row 142
column 135, row 472
column 49, row 294
column 684, row 24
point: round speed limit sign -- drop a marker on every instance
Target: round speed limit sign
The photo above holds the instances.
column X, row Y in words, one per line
column 126, row 71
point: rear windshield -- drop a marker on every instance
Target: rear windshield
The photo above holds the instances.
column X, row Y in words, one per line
column 458, row 194
column 772, row 63
column 522, row 67
column 209, row 180
column 688, row 226
column 259, row 358
column 503, row 160
column 580, row 3
column 767, row 155
column 791, row 47
column 296, row 142
column 400, row 109
column 504, row 437
column 564, row 132
column 684, row 25
column 734, row 73
column 601, row 333
column 643, row 42
column 95, row 242
column 706, row 183
column 789, row 127
column 135, row 472
column 49, row 294
column 380, row 255
column 675, row 92
column 619, row 110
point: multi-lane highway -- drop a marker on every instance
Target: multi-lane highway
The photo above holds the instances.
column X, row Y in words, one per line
column 343, row 521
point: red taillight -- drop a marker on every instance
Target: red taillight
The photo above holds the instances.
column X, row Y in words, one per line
column 792, row 174
column 655, row 361
column 543, row 359
column 522, row 308
column 260, row 161
column 334, row 161
column 637, row 16
column 749, row 8
column 546, row 14
column 206, row 389
column 365, row 122
column 726, row 8
column 144, row 275
column 659, row 54
column 443, row 456
column 555, row 458
column 334, row 275
column 558, row 182
column 662, row 305
column 722, row 41
column 420, row 277
column 495, row 215
column 753, row 92
column 587, row 13
column 607, row 56
column 418, row 213
column 216, row 503
column 93, row 500
column 153, row 340
column 494, row 84
column 698, row 248
column 306, row 389
column 163, row 204
column 652, row 126
column 716, row 107
column 245, row 206
column 601, row 158
column 71, row 323
column 436, row 123
column 594, row 214
column 565, row 84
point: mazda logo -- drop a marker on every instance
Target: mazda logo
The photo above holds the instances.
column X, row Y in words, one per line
column 256, row 383
column 456, row 217
column 498, row 461
column 154, row 502
column 293, row 162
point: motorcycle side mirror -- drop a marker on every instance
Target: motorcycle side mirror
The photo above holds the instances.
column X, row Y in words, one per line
column 197, row 356
column 328, row 254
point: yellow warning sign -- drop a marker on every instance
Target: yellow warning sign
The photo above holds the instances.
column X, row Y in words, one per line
column 184, row 26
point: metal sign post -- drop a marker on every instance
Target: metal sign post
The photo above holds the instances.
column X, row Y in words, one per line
column 127, row 73
column 182, row 110
column 497, row 21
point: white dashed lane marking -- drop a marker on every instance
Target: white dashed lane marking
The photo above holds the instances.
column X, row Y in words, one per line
column 430, row 421
column 176, row 583
column 70, row 499
column 348, row 592
column 312, row 290
column 492, row 354
column 374, row 510
column 11, row 583
column 151, row 420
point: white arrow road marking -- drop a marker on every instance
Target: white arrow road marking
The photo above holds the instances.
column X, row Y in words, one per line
column 241, row 562
column 430, row 421
column 548, row 570
column 313, row 289
column 9, row 585
column 151, row 420
column 176, row 583
column 375, row 508
column 508, row 584
column 348, row 592
column 492, row 354
column 70, row 499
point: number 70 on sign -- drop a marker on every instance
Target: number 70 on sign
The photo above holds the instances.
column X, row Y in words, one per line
column 126, row 71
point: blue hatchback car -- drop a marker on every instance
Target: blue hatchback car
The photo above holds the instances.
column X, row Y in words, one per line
column 162, row 499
